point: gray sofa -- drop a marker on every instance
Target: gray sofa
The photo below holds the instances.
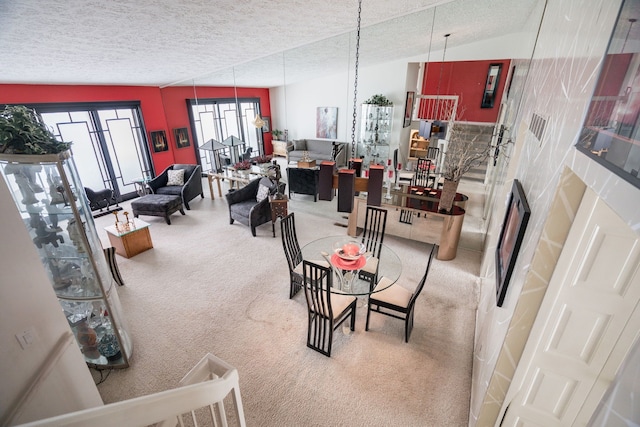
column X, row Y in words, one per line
column 318, row 150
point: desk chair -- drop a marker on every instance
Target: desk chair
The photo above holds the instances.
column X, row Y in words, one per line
column 396, row 301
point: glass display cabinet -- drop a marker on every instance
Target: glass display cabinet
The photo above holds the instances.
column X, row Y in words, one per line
column 47, row 192
column 375, row 132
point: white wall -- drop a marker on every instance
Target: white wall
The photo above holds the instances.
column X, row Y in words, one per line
column 27, row 301
column 302, row 99
column 562, row 77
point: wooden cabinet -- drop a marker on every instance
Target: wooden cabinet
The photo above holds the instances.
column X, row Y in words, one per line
column 280, row 148
column 417, row 147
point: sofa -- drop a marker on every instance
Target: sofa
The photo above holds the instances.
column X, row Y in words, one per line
column 318, row 150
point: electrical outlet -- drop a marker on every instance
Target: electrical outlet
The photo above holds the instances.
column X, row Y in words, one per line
column 26, row 338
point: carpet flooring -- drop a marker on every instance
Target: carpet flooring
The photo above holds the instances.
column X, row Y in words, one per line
column 208, row 286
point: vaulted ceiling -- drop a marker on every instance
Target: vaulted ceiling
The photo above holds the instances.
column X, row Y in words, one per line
column 249, row 42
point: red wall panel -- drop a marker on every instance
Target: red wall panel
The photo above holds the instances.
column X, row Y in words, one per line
column 162, row 109
column 467, row 80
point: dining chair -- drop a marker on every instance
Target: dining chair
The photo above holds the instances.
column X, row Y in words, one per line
column 423, row 177
column 375, row 223
column 327, row 310
column 292, row 252
column 397, row 301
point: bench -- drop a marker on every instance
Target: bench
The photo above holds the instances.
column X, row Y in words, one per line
column 157, row 205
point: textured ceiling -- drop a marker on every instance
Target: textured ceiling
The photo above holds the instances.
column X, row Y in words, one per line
column 164, row 42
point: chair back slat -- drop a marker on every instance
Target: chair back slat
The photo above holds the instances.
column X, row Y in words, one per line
column 317, row 282
column 375, row 223
column 422, row 177
column 290, row 241
column 415, row 295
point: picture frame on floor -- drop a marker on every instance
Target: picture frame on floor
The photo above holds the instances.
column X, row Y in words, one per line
column 513, row 229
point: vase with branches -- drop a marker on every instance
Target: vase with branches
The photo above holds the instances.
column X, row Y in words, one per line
column 463, row 153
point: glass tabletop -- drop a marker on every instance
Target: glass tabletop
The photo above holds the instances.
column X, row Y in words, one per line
column 389, row 265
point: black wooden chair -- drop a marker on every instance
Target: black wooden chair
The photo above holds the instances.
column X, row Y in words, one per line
column 292, row 252
column 396, row 301
column 423, row 177
column 375, row 223
column 327, row 310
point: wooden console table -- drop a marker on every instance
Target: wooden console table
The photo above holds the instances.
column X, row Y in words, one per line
column 423, row 225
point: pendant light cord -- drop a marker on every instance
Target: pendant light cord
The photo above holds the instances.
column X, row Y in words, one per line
column 355, row 85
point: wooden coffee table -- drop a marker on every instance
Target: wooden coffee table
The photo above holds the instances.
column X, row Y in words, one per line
column 131, row 242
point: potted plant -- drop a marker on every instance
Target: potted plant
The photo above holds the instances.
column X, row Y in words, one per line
column 276, row 134
column 22, row 131
column 242, row 167
column 379, row 100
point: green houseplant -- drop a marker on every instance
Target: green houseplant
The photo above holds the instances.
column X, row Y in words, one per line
column 22, row 131
column 379, row 100
column 276, row 133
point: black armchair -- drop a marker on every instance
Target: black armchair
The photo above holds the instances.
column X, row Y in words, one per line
column 188, row 191
column 246, row 209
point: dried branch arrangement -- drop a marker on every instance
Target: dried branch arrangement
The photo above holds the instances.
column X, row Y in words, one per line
column 462, row 153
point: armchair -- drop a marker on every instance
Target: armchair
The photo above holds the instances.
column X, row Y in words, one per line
column 191, row 187
column 245, row 207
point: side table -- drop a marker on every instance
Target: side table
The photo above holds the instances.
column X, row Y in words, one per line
column 141, row 186
column 131, row 242
column 279, row 208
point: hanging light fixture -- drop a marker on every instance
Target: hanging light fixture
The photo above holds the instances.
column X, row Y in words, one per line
column 258, row 122
column 444, row 52
column 355, row 85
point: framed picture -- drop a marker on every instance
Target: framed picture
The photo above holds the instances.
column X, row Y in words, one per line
column 408, row 109
column 513, row 228
column 159, row 141
column 327, row 122
column 181, row 135
column 267, row 125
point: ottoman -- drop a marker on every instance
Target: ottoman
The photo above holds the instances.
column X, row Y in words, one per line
column 157, row 205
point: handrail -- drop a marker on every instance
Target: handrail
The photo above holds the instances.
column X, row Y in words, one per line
column 41, row 374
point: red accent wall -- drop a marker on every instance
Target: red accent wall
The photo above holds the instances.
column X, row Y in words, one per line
column 467, row 80
column 162, row 109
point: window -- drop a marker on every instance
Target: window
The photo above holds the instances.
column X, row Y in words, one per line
column 219, row 119
column 108, row 143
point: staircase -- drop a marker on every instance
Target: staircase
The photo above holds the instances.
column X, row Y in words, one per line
column 486, row 134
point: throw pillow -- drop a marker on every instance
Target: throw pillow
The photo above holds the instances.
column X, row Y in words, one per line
column 300, row 145
column 175, row 177
column 263, row 192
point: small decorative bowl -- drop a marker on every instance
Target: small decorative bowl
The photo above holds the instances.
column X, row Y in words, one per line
column 349, row 250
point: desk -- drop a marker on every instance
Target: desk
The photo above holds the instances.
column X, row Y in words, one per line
column 389, row 264
column 132, row 242
column 233, row 177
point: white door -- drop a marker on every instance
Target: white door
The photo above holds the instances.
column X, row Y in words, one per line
column 585, row 326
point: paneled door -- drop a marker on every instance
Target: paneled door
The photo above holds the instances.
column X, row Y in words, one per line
column 586, row 324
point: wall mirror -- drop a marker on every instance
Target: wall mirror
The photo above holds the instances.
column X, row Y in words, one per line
column 611, row 131
column 489, row 94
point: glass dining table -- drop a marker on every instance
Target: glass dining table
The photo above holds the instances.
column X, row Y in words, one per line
column 346, row 278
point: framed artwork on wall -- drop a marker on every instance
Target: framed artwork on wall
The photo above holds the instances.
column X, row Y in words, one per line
column 159, row 141
column 267, row 124
column 327, row 122
column 513, row 229
column 181, row 136
column 491, row 86
column 408, row 109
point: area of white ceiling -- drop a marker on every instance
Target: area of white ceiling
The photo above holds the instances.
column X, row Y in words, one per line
column 164, row 42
